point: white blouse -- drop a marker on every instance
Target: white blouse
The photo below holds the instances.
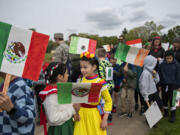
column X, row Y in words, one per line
column 57, row 114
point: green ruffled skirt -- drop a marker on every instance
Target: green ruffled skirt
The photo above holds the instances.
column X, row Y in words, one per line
column 66, row 129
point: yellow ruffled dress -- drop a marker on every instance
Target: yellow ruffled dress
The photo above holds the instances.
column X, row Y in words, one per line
column 90, row 117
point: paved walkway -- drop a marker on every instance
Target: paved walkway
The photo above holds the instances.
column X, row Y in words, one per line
column 122, row 126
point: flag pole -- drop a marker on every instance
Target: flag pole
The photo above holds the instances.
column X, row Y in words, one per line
column 6, row 85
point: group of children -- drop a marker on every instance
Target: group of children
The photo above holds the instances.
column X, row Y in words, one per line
column 128, row 80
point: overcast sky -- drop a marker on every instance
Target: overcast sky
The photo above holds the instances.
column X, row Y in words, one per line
column 103, row 17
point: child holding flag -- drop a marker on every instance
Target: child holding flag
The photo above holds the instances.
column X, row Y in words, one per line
column 91, row 122
column 169, row 71
column 58, row 116
column 103, row 65
column 117, row 81
column 148, row 80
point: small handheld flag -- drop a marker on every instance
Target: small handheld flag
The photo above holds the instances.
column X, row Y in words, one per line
column 131, row 55
column 80, row 45
column 21, row 51
column 78, row 92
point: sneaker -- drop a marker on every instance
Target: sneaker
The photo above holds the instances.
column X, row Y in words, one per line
column 142, row 111
column 123, row 114
column 114, row 109
column 136, row 107
column 172, row 116
column 129, row 115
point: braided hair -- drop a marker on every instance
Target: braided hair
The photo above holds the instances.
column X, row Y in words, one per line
column 53, row 70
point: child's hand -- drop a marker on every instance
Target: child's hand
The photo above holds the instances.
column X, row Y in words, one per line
column 126, row 67
column 179, row 89
column 77, row 107
column 104, row 124
column 124, row 80
column 154, row 72
column 5, row 102
column 76, row 117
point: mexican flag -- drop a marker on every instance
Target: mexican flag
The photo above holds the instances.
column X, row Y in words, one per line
column 176, row 98
column 80, row 45
column 135, row 43
column 21, row 51
column 131, row 55
column 78, row 92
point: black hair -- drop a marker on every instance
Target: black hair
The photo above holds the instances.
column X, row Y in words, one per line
column 176, row 40
column 92, row 61
column 169, row 53
column 154, row 39
column 53, row 70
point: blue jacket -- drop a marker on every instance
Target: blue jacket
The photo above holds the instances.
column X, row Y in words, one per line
column 169, row 73
column 117, row 79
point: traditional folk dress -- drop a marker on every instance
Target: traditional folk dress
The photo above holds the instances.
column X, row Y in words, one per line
column 59, row 117
column 90, row 118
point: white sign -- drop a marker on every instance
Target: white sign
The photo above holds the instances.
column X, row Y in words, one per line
column 109, row 73
column 153, row 114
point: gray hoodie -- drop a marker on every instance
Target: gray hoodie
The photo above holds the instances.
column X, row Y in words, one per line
column 148, row 81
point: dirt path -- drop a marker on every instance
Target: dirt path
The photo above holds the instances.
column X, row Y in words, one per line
column 121, row 126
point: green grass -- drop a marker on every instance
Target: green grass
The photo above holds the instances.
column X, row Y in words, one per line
column 166, row 128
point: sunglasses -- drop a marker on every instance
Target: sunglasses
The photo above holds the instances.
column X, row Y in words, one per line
column 56, row 38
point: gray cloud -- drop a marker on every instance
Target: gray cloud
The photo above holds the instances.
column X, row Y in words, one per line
column 71, row 30
column 105, row 19
column 174, row 16
column 167, row 22
column 136, row 4
column 141, row 15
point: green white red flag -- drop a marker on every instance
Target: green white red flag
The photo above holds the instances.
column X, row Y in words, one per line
column 131, row 55
column 21, row 51
column 176, row 98
column 78, row 92
column 80, row 45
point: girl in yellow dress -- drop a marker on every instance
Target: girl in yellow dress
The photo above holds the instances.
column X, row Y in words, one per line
column 91, row 122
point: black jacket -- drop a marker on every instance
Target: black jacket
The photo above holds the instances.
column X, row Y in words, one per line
column 169, row 74
column 158, row 54
column 177, row 55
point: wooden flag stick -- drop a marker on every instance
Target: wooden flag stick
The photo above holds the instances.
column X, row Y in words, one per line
column 147, row 102
column 6, row 83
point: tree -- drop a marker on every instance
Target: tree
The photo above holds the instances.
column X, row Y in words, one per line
column 173, row 33
column 152, row 27
column 51, row 46
column 148, row 30
column 33, row 29
column 138, row 32
column 124, row 32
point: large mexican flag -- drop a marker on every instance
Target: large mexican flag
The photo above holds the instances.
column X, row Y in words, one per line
column 21, row 51
column 80, row 45
column 78, row 92
column 131, row 55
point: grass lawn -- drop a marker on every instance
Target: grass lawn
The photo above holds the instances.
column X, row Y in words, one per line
column 166, row 128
